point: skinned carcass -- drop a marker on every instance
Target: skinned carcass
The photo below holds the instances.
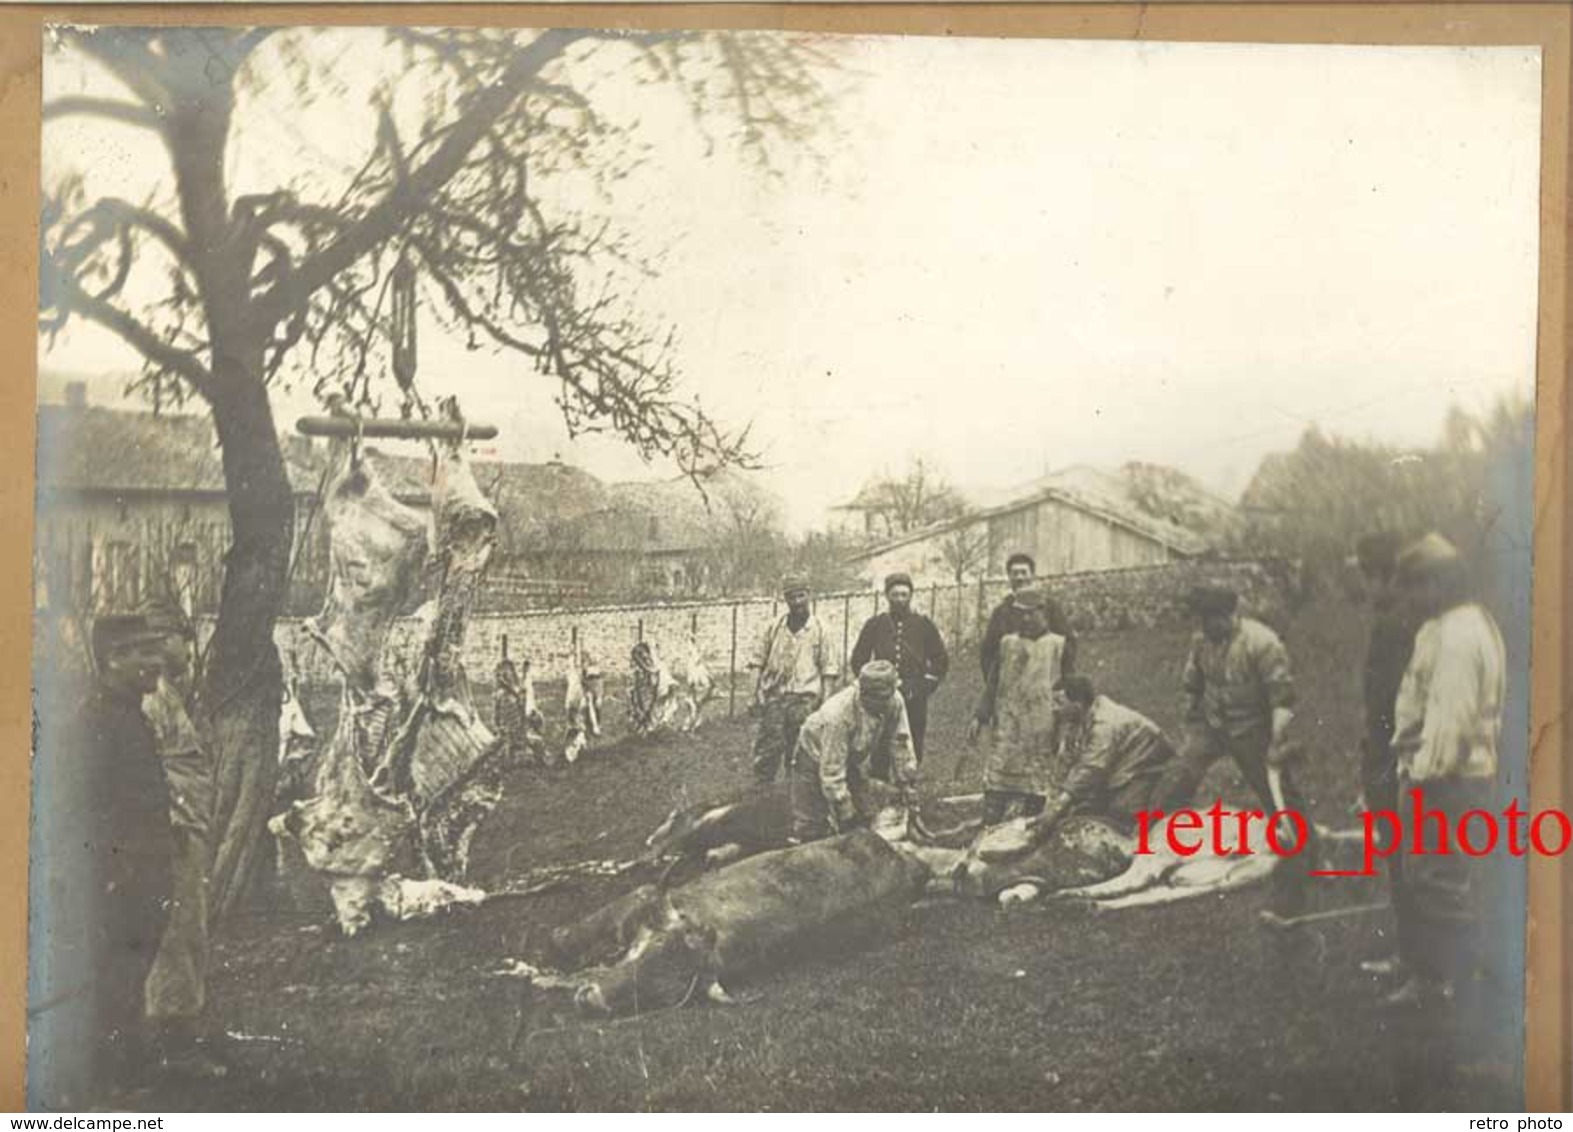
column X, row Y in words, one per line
column 376, row 548
column 411, row 769
column 444, row 760
column 671, row 945
column 583, row 721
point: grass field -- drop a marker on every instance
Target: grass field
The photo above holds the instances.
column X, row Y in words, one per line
column 1192, row 1006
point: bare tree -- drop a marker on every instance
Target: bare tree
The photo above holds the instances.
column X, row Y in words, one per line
column 917, row 498
column 965, row 551
column 224, row 294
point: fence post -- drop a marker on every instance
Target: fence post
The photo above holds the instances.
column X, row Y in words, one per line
column 933, row 599
column 731, row 683
column 641, row 630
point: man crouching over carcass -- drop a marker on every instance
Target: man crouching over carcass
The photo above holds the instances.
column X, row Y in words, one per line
column 857, row 728
column 1118, row 762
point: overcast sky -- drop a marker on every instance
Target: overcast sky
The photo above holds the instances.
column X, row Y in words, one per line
column 1019, row 255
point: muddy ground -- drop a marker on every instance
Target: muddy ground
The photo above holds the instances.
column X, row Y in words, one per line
column 963, row 1006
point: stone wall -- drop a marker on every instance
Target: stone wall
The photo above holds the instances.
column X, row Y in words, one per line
column 1139, row 597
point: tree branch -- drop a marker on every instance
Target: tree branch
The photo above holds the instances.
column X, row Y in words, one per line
column 128, row 113
column 384, row 219
column 133, row 333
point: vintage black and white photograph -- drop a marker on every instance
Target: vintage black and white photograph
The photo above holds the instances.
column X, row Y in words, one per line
column 622, row 570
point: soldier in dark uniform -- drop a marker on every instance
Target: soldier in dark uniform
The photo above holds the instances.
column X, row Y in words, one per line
column 912, row 643
column 103, row 871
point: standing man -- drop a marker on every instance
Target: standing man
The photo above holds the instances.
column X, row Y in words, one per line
column 1018, row 704
column 177, row 983
column 797, row 671
column 1389, row 647
column 1006, row 618
column 1118, row 762
column 912, row 643
column 1241, row 697
column 1447, row 723
column 103, row 876
column 842, row 745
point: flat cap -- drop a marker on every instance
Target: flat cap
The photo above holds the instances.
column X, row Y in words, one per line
column 1212, row 601
column 1425, row 555
column 877, row 678
column 793, row 583
column 897, row 579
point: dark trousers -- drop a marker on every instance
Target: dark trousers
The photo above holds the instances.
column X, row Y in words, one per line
column 1379, row 784
column 917, row 701
column 811, row 817
column 1442, row 905
column 1206, row 745
column 780, row 719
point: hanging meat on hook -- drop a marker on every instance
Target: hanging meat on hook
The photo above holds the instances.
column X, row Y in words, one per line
column 444, row 760
column 376, row 547
column 409, row 768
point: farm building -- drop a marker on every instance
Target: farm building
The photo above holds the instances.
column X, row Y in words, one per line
column 133, row 503
column 1076, row 520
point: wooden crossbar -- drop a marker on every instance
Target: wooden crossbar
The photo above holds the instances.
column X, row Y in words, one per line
column 374, row 427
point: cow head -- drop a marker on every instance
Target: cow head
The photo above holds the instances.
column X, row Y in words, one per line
column 666, row 966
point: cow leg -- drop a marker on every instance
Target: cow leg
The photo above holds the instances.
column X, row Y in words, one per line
column 606, row 931
column 1144, row 873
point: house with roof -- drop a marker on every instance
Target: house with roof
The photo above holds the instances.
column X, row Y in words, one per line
column 1077, row 519
column 132, row 504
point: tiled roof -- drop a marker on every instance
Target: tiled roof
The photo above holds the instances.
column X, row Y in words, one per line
column 87, row 448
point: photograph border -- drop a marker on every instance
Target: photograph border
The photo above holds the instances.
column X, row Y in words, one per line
column 1549, row 998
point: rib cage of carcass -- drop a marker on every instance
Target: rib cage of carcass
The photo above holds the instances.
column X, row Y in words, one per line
column 412, row 770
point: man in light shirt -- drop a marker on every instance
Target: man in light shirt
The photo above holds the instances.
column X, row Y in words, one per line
column 797, row 670
column 1447, row 722
column 859, row 734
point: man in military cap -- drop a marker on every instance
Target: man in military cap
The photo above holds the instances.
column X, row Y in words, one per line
column 797, row 670
column 842, row 745
column 103, row 872
column 1240, row 693
column 1018, row 704
column 912, row 643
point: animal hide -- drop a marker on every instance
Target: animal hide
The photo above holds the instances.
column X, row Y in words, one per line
column 734, row 921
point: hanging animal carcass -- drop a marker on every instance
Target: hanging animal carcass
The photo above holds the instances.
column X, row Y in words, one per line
column 412, row 770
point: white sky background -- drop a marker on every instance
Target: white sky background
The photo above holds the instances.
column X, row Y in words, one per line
column 1019, row 255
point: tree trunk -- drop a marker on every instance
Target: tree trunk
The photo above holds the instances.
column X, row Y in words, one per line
column 243, row 680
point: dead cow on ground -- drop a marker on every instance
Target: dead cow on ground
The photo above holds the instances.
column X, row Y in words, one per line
column 671, row 946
